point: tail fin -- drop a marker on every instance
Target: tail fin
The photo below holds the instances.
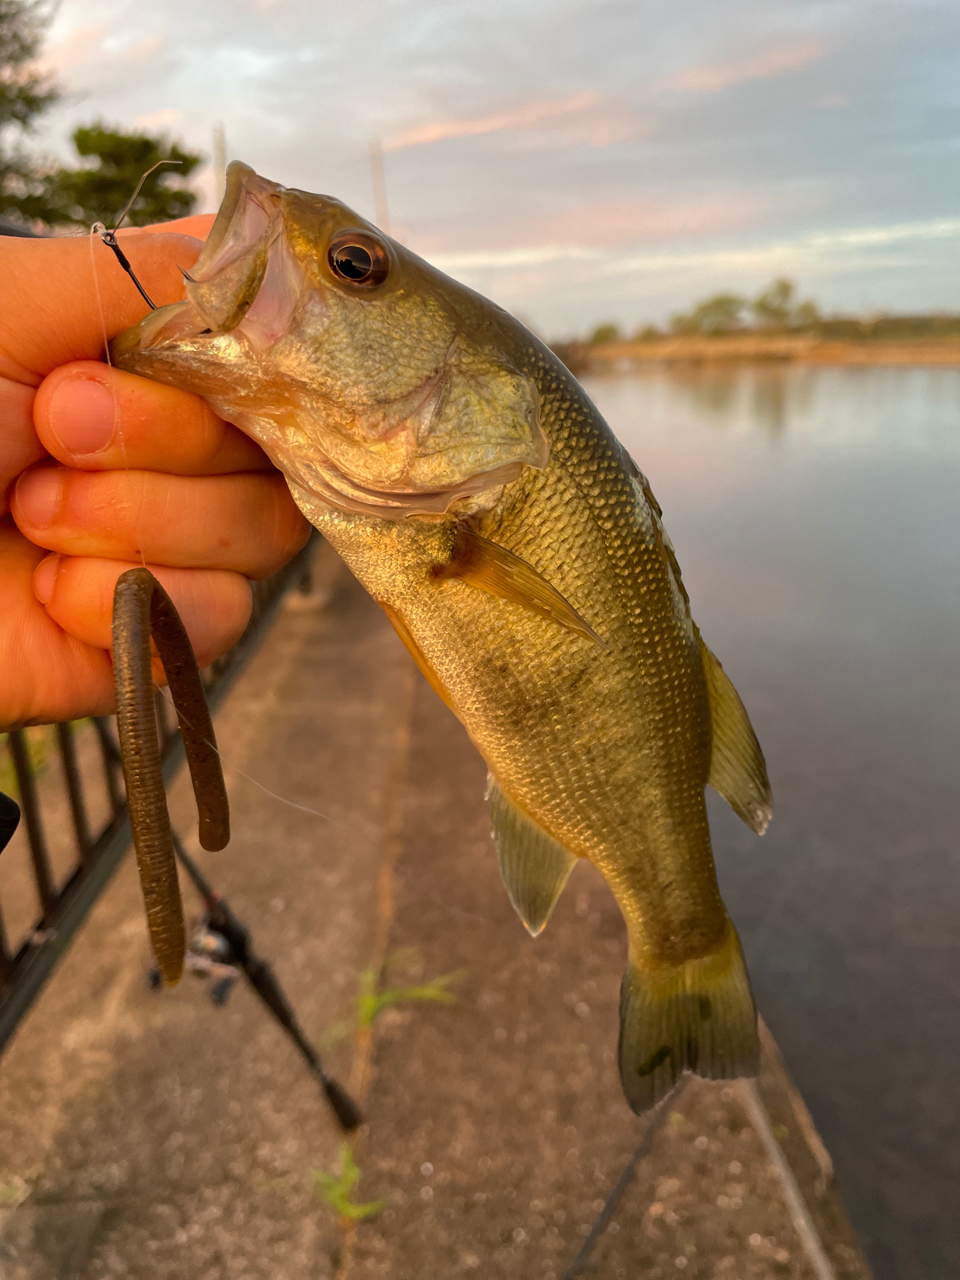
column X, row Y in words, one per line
column 698, row 1016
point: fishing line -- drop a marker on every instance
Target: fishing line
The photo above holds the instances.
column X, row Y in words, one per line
column 266, row 790
column 602, row 1219
column 109, row 238
column 98, row 230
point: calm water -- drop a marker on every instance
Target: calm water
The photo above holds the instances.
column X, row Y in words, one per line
column 816, row 517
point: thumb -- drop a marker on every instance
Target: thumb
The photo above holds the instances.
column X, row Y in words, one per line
column 63, row 298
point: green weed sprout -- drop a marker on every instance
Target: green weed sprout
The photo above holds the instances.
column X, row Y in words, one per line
column 371, row 1002
column 335, row 1190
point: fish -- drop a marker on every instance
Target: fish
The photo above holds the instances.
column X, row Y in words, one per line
column 466, row 479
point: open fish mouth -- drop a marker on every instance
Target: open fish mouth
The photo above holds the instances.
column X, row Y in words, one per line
column 245, row 279
column 339, row 352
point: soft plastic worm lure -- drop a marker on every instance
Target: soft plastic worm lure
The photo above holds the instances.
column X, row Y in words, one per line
column 142, row 608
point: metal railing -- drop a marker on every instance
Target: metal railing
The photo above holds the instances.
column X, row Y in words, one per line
column 65, row 889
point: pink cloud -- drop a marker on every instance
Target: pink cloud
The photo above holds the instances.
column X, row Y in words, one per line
column 612, row 224
column 84, row 47
column 161, row 119
column 535, row 114
column 604, row 225
column 711, row 77
column 80, row 45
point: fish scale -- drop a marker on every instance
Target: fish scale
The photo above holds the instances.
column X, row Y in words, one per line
column 466, row 479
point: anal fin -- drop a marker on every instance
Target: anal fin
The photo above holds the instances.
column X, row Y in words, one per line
column 534, row 867
column 737, row 768
column 483, row 564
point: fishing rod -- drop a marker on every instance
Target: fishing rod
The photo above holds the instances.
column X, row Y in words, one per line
column 232, row 945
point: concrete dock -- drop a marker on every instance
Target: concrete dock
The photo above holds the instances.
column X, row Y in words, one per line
column 152, row 1135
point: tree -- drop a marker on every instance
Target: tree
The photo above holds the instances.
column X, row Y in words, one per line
column 24, row 96
column 719, row 314
column 806, row 316
column 99, row 192
column 773, row 307
column 605, row 333
column 777, row 307
column 648, row 333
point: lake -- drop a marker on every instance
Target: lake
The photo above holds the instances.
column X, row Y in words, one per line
column 816, row 516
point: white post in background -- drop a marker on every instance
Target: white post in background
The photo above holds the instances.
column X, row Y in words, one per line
column 219, row 161
column 380, row 215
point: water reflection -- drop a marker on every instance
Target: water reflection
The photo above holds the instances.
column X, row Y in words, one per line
column 767, row 395
column 891, row 407
column 816, row 516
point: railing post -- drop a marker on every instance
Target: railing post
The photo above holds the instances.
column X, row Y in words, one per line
column 78, row 811
column 31, row 815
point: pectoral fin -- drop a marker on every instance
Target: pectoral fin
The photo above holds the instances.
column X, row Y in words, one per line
column 491, row 568
column 737, row 768
column 534, row 867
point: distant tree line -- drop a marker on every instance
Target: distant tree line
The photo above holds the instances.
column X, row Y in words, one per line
column 38, row 193
column 778, row 310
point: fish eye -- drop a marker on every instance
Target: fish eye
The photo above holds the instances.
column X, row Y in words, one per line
column 358, row 258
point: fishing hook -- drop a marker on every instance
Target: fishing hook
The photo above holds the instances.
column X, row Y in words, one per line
column 109, row 238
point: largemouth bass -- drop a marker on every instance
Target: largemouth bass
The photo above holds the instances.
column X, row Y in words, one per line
column 466, row 479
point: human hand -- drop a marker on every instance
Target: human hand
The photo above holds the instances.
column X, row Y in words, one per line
column 105, row 470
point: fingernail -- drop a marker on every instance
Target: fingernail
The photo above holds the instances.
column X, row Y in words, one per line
column 83, row 415
column 45, row 578
column 39, row 496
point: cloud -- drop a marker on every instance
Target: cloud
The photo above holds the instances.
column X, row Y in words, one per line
column 618, row 222
column 530, row 116
column 600, row 225
column 159, row 119
column 82, row 44
column 802, row 249
column 712, row 77
column 145, row 51
column 91, row 43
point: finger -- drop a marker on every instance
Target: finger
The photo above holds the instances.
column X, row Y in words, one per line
column 62, row 298
column 197, row 225
column 247, row 523
column 19, row 445
column 45, row 674
column 77, row 593
column 97, row 419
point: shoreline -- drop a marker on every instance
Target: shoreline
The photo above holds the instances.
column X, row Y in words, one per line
column 806, row 350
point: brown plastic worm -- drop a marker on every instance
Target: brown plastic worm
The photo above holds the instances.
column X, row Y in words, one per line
column 142, row 608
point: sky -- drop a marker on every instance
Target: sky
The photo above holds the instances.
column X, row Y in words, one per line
column 578, row 161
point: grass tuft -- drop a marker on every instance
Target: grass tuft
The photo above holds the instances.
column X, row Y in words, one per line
column 371, row 1002
column 335, row 1189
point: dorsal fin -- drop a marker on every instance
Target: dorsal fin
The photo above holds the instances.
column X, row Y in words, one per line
column 737, row 768
column 491, row 568
column 534, row 867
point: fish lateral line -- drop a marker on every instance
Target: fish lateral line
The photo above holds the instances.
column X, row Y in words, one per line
column 489, row 567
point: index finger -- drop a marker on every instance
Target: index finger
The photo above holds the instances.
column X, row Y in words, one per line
column 63, row 297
